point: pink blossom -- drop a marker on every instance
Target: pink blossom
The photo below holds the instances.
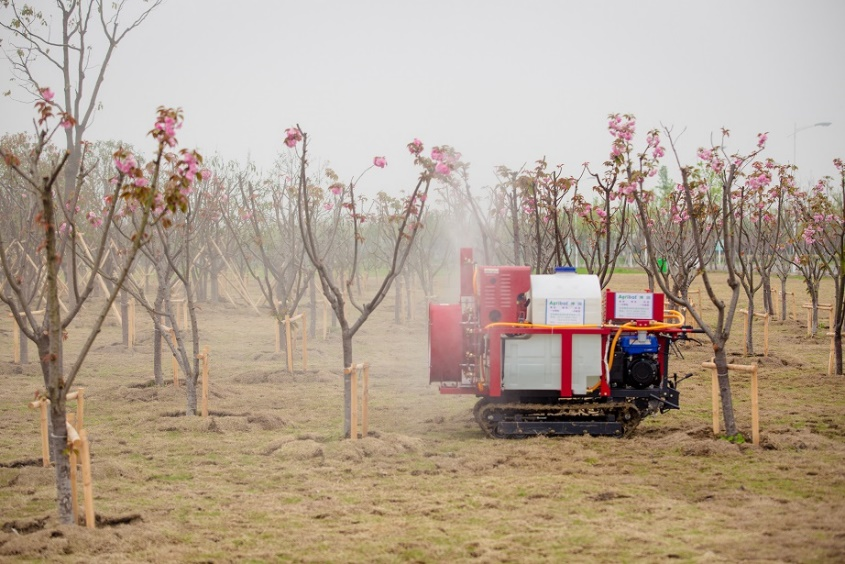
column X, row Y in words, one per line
column 443, row 169
column 436, row 154
column 328, row 206
column 658, row 152
column 205, row 174
column 336, row 188
column 293, row 136
column 380, row 162
column 415, row 147
column 761, row 139
column 47, row 94
column 141, row 182
column 94, row 219
column 66, row 123
column 125, row 164
column 601, row 213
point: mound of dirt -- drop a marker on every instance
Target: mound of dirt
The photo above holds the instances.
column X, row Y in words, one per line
column 266, row 421
column 300, row 450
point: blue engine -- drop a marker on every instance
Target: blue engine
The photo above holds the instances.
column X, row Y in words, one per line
column 635, row 362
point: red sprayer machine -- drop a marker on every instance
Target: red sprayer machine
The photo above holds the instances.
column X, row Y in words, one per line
column 546, row 355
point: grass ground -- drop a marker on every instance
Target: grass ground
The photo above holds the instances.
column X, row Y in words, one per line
column 267, row 476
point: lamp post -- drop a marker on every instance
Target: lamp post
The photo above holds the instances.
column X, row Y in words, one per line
column 795, row 137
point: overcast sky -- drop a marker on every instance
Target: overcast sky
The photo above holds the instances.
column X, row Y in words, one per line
column 504, row 82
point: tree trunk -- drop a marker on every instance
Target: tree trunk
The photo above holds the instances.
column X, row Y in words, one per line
column 749, row 328
column 721, row 361
column 783, row 298
column 58, row 450
column 768, row 305
column 347, row 385
column 191, row 395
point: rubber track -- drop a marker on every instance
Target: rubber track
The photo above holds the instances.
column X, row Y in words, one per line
column 560, row 412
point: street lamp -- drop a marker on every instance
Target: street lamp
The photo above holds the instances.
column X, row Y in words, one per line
column 795, row 137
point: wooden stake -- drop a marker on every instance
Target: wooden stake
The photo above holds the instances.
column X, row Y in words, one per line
column 755, row 405
column 80, row 407
column 45, row 434
column 16, row 341
column 353, row 420
column 366, row 402
column 87, row 490
column 755, row 408
column 831, row 358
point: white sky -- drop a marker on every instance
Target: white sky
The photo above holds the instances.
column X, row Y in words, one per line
column 504, row 82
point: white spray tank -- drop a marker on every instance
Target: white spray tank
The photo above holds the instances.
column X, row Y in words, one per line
column 563, row 298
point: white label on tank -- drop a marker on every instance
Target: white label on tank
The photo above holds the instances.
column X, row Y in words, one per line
column 564, row 311
column 634, row 306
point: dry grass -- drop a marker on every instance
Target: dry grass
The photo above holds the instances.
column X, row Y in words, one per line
column 267, row 477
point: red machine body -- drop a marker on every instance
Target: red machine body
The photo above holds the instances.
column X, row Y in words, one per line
column 578, row 371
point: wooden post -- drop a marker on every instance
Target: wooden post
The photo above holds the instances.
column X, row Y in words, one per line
column 204, row 357
column 365, row 419
column 87, row 491
column 831, row 358
column 755, row 405
column 809, row 309
column 353, row 419
column 16, row 341
column 353, row 372
column 289, row 344
column 278, row 325
column 79, row 396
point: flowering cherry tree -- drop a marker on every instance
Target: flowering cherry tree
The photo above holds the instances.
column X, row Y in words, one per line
column 703, row 216
column 823, row 228
column 138, row 193
column 407, row 221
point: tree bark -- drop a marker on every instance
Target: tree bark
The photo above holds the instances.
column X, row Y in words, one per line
column 347, row 385
column 721, row 361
